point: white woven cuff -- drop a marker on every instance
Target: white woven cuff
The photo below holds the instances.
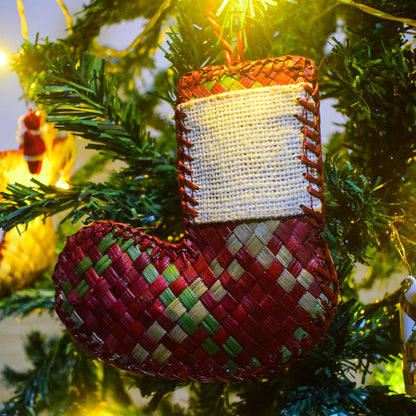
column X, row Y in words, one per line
column 246, row 149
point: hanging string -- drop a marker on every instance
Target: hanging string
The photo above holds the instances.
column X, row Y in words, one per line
column 400, row 248
column 240, row 46
column 68, row 17
column 23, row 23
column 234, row 11
column 229, row 50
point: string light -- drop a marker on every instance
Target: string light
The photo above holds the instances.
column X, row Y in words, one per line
column 62, row 184
column 3, row 58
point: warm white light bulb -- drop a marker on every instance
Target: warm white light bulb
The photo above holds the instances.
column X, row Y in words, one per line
column 62, row 184
column 3, row 58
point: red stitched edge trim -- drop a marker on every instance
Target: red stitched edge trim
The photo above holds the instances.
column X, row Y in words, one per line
column 312, row 144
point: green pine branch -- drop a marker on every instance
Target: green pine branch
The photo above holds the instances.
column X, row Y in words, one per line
column 125, row 201
column 83, row 99
column 372, row 78
column 34, row 61
column 63, row 379
column 192, row 23
column 26, row 301
column 356, row 213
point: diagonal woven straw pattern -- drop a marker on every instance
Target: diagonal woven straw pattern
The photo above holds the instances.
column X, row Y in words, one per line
column 236, row 299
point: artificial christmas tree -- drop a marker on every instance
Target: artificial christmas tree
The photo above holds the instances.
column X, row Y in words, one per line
column 368, row 172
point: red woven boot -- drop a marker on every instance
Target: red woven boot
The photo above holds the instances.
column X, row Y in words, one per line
column 252, row 287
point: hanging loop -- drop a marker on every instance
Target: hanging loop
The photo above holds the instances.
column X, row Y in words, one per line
column 229, row 53
column 228, row 48
column 240, row 46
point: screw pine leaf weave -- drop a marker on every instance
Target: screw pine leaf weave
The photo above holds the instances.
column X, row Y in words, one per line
column 236, row 299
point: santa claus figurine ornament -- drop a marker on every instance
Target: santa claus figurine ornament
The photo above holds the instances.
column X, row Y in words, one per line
column 34, row 148
column 251, row 289
column 47, row 155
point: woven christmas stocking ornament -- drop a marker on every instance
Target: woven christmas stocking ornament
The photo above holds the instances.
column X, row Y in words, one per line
column 251, row 289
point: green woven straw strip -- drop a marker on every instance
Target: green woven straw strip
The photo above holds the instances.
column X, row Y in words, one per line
column 167, row 297
column 187, row 324
column 161, row 353
column 102, row 265
column 286, row 354
column 150, row 273
column 210, row 324
column 210, row 346
column 83, row 266
column 133, row 252
column 67, row 307
column 300, row 333
column 106, row 242
column 209, row 85
column 156, row 331
column 67, row 286
column 230, row 82
column 82, row 288
column 233, row 345
column 188, row 298
column 125, row 244
column 228, row 350
column 171, row 273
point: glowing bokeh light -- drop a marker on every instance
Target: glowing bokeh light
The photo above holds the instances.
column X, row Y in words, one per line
column 62, row 184
column 3, row 58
